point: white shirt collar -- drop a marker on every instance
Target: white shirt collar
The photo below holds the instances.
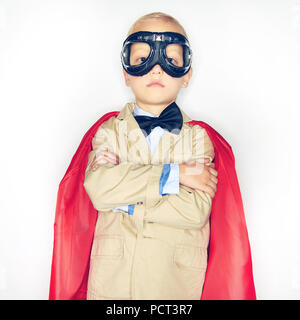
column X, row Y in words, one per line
column 141, row 112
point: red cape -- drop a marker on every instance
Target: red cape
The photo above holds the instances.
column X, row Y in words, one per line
column 229, row 270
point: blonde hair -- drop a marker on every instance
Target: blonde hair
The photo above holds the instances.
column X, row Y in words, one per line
column 157, row 16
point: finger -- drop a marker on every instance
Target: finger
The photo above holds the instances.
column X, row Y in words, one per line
column 212, row 185
column 109, row 159
column 105, row 155
column 214, row 179
column 98, row 163
column 198, row 161
column 102, row 155
column 190, row 161
column 117, row 159
column 213, row 171
column 202, row 160
column 102, row 160
column 209, row 190
column 205, row 172
column 112, row 156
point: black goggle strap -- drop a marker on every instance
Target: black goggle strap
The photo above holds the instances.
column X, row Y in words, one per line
column 157, row 37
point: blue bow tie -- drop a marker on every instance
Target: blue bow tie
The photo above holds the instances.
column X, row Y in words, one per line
column 170, row 119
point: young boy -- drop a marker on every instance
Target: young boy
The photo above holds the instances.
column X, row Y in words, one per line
column 158, row 252
column 151, row 179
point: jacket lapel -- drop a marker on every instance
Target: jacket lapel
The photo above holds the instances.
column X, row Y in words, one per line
column 138, row 149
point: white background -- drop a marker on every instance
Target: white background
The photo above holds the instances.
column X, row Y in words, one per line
column 60, row 72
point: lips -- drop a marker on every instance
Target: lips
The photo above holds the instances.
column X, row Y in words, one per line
column 155, row 84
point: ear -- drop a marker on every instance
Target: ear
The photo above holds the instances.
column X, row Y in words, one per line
column 186, row 78
column 126, row 77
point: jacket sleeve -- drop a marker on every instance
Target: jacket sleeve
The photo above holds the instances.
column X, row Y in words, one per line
column 190, row 209
column 110, row 185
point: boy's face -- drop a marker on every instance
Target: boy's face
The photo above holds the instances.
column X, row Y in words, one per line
column 164, row 94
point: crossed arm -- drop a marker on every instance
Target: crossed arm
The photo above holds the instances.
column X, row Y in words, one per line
column 110, row 184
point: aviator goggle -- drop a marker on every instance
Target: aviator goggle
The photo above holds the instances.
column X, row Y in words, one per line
column 143, row 50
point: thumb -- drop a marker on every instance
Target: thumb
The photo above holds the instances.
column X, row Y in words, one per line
column 203, row 160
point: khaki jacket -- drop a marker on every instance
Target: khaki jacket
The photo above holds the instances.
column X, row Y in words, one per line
column 159, row 252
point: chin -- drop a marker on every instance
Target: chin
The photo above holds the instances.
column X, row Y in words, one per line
column 157, row 99
column 158, row 102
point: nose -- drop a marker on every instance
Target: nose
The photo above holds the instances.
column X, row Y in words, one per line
column 157, row 69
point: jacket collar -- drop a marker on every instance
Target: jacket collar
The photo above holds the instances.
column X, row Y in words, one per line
column 126, row 116
column 127, row 111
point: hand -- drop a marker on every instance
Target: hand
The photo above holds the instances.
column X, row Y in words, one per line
column 104, row 157
column 197, row 175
